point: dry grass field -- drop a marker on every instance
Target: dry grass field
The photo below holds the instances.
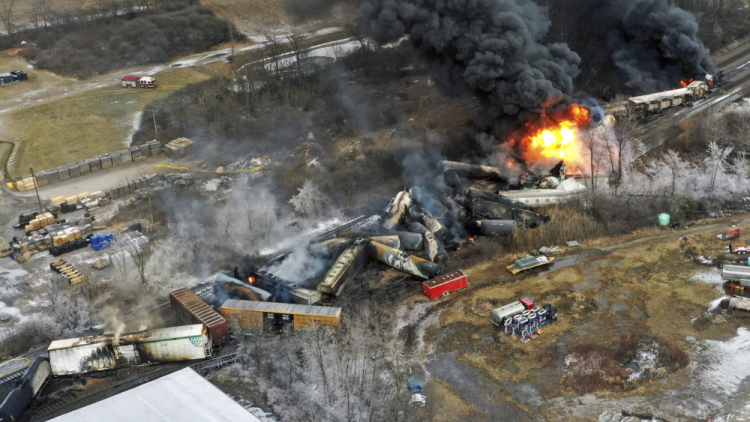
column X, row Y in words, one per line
column 613, row 295
column 258, row 17
column 85, row 124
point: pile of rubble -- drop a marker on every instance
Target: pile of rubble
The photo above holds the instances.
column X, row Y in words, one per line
column 422, row 223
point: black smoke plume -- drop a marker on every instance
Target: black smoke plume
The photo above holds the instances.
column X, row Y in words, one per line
column 648, row 42
column 493, row 47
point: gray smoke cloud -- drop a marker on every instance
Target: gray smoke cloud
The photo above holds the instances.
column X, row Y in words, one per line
column 493, row 47
column 654, row 44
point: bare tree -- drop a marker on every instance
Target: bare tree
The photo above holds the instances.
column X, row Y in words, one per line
column 357, row 31
column 138, row 258
column 274, row 49
column 626, row 131
column 7, row 14
column 299, row 49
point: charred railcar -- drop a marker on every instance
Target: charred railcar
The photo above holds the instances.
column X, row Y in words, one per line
column 32, row 383
column 77, row 356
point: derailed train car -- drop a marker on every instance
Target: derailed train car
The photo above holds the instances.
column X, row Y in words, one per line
column 82, row 355
column 656, row 102
column 32, row 383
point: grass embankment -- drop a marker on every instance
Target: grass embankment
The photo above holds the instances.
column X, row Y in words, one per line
column 84, row 125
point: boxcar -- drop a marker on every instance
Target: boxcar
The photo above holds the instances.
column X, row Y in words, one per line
column 277, row 318
column 191, row 309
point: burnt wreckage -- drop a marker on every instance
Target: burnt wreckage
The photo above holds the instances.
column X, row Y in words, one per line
column 416, row 231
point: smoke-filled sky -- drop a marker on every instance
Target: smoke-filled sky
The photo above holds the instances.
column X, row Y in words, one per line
column 493, row 47
column 647, row 42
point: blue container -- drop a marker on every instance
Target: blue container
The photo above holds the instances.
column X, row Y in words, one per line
column 415, row 386
column 664, row 219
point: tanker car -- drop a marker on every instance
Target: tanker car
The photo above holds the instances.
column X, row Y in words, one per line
column 32, row 383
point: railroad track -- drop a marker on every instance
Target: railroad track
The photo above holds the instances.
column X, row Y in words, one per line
column 216, row 362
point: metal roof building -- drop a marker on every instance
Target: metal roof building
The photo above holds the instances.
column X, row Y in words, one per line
column 181, row 396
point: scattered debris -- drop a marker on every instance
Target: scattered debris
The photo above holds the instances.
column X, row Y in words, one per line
column 101, row 263
column 730, row 235
column 528, row 263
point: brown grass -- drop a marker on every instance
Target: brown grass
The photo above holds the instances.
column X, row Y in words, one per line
column 567, row 223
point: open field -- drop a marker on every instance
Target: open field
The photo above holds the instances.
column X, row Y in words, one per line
column 84, row 125
column 608, row 288
column 255, row 18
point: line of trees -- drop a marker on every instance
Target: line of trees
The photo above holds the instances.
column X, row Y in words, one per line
column 87, row 41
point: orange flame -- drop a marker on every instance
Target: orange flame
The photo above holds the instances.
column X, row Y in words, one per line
column 251, row 280
column 556, row 140
column 687, row 82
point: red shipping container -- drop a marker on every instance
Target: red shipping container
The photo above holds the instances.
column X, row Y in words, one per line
column 445, row 284
column 191, row 309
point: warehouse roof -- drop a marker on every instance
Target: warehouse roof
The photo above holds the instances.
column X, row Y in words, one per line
column 285, row 308
column 181, row 396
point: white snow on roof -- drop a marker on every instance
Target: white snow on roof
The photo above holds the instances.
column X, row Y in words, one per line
column 181, row 396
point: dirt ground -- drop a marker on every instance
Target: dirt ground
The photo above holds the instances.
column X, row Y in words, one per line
column 603, row 289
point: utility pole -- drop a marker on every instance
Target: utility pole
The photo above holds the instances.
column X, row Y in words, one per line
column 33, row 177
column 153, row 114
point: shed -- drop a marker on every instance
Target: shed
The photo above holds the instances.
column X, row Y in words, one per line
column 130, row 81
column 180, row 396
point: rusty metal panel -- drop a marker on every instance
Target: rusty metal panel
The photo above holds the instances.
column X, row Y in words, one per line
column 198, row 311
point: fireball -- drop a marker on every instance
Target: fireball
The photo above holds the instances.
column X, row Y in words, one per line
column 556, row 140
